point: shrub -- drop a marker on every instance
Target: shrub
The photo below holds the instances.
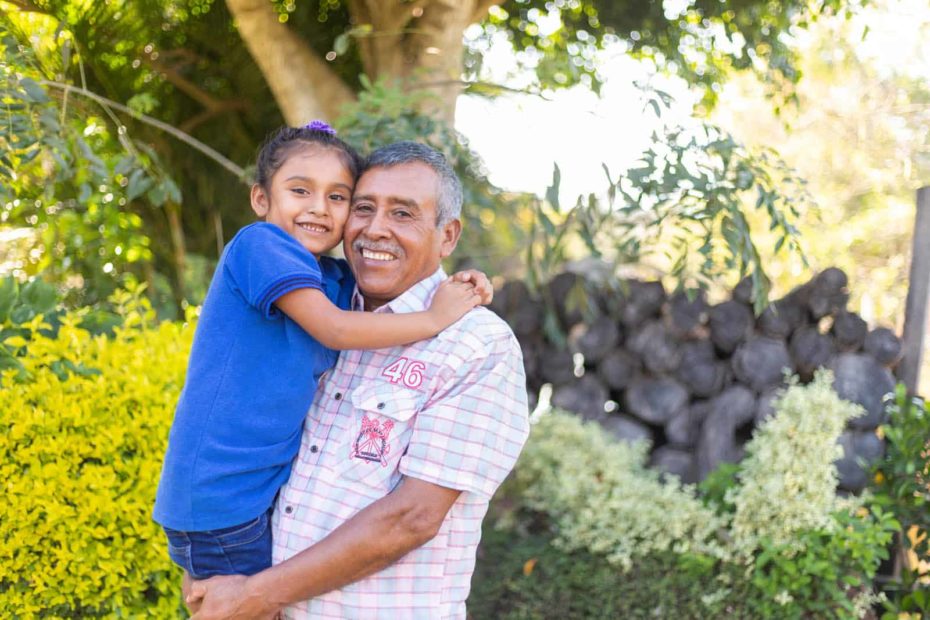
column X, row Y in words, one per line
column 601, row 496
column 787, row 482
column 902, row 485
column 524, row 576
column 80, row 457
column 770, row 539
column 823, row 573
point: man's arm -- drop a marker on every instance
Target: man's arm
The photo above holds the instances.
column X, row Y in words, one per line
column 373, row 539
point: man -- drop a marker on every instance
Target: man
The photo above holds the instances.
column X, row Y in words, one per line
column 403, row 447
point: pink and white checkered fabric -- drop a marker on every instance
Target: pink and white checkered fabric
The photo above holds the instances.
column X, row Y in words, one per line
column 450, row 410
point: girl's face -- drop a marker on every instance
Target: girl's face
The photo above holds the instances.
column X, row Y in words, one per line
column 308, row 197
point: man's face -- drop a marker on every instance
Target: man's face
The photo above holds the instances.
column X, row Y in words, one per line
column 391, row 238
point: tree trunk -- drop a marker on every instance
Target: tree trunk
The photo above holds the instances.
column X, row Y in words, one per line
column 418, row 44
column 302, row 83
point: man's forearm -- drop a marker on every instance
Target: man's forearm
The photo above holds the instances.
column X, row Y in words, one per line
column 370, row 541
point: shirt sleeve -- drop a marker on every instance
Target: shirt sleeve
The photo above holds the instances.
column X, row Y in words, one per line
column 264, row 262
column 468, row 437
column 339, row 281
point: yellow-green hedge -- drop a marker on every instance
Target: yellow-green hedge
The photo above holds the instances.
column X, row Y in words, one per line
column 79, row 461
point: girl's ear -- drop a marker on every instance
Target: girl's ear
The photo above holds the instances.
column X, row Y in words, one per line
column 260, row 202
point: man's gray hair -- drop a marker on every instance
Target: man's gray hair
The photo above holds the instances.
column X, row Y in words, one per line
column 448, row 198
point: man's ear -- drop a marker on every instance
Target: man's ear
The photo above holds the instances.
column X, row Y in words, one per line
column 260, row 203
column 451, row 232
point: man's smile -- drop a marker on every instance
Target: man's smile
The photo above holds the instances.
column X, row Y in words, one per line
column 377, row 256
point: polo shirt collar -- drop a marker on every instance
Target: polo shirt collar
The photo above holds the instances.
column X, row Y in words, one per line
column 415, row 299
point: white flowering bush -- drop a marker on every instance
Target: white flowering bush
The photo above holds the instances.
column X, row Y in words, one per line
column 772, row 541
column 787, row 482
column 602, row 497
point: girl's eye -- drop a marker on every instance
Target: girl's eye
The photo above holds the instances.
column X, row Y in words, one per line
column 338, row 197
column 299, row 190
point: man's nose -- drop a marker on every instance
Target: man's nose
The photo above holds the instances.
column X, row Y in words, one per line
column 377, row 226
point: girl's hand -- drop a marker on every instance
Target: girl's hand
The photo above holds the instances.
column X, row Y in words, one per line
column 480, row 281
column 451, row 301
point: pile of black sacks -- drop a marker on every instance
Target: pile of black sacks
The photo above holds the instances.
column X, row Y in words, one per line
column 692, row 378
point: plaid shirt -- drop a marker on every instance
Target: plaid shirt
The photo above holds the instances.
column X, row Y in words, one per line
column 450, row 410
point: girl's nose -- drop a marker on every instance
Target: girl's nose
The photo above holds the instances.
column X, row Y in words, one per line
column 317, row 206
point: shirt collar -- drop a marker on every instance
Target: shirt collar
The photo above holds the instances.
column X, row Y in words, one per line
column 414, row 299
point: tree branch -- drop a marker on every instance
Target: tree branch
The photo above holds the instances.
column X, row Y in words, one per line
column 303, row 84
column 195, row 121
column 489, row 85
column 154, row 122
column 213, row 105
column 184, row 85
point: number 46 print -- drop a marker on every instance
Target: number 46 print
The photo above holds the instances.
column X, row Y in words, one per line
column 408, row 372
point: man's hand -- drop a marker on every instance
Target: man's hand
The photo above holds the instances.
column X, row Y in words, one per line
column 192, row 603
column 227, row 597
column 479, row 280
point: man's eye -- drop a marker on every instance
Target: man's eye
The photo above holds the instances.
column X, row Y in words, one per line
column 402, row 214
column 361, row 208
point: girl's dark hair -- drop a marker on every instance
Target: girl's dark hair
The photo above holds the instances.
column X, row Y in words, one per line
column 279, row 145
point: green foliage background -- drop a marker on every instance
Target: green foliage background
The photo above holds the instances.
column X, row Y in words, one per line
column 113, row 196
column 601, row 532
column 97, row 197
column 80, row 456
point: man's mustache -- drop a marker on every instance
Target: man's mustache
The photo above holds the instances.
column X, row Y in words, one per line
column 376, row 246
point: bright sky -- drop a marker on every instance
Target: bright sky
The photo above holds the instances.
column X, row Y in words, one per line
column 520, row 136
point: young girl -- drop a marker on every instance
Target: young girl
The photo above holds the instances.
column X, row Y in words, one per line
column 253, row 370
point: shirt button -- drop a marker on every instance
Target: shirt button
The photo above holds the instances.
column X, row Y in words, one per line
column 338, row 395
column 288, row 509
column 314, row 449
column 380, row 405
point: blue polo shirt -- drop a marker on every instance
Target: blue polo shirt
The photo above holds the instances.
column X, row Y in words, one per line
column 251, row 378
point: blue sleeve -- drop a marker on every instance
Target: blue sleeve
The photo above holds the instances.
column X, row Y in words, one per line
column 264, row 262
column 340, row 282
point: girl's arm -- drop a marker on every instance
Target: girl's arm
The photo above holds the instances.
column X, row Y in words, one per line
column 342, row 329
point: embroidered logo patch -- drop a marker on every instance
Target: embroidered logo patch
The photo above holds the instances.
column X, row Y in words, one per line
column 371, row 443
column 406, row 372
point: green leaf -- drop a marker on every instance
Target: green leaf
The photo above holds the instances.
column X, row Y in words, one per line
column 9, row 293
column 138, row 184
column 34, row 91
column 38, row 295
column 552, row 192
column 158, row 195
column 22, row 314
column 8, row 360
column 341, row 44
column 172, row 190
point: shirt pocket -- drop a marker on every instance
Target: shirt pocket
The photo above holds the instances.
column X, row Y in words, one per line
column 380, row 429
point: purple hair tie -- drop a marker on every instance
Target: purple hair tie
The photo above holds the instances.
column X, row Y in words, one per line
column 318, row 125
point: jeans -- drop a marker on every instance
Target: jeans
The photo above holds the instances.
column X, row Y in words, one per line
column 243, row 549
